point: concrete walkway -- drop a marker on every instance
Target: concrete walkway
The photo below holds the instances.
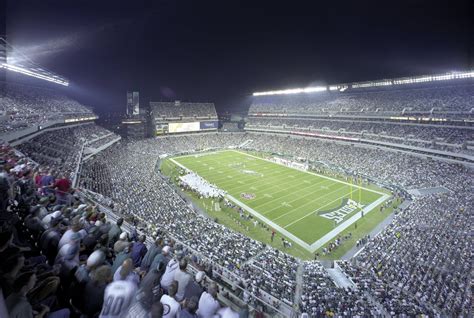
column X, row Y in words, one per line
column 339, row 278
column 299, row 284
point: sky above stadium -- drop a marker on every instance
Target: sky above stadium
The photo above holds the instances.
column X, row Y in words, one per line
column 222, row 51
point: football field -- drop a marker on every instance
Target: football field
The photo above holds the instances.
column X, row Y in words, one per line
column 308, row 208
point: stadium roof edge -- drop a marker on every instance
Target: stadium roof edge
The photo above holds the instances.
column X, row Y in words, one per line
column 376, row 83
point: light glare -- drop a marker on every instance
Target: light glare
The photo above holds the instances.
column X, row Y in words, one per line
column 25, row 71
column 387, row 82
column 292, row 91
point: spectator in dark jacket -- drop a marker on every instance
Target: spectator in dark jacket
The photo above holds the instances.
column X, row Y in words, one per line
column 93, row 296
column 190, row 308
column 194, row 288
column 138, row 251
column 154, row 250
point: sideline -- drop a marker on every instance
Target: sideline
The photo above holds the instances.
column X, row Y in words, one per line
column 324, row 239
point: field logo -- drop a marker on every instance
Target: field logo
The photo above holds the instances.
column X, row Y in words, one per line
column 338, row 215
column 248, row 196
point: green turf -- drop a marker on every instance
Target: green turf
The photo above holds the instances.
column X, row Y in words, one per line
column 290, row 198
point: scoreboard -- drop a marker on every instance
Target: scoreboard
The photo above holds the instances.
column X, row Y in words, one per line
column 183, row 127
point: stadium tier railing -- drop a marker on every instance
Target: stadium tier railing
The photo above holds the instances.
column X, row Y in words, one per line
column 75, row 179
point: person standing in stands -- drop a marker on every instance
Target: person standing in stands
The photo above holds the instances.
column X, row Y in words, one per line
column 4, row 189
column 93, row 295
column 37, row 177
column 127, row 272
column 47, row 181
column 194, row 288
column 171, row 268
column 115, row 231
column 49, row 240
column 63, row 187
column 183, row 279
column 138, row 251
column 154, row 250
column 118, row 297
column 190, row 308
column 170, row 305
column 208, row 304
column 18, row 305
column 163, row 257
column 122, row 243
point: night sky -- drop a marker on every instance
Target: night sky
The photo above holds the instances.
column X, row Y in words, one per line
column 222, row 51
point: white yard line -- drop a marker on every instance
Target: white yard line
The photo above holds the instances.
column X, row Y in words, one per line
column 225, row 180
column 267, row 175
column 318, row 209
column 341, row 227
column 328, row 236
column 288, row 189
column 202, row 154
column 309, row 172
column 312, row 201
column 272, row 224
column 178, row 164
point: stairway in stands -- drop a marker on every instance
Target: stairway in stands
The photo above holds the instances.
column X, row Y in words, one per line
column 245, row 143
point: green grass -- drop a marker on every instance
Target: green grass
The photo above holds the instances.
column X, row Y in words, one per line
column 364, row 226
column 292, row 199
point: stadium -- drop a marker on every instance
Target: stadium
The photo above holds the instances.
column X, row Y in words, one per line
column 346, row 199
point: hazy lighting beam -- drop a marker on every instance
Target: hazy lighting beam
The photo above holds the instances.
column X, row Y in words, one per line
column 293, row 91
column 22, row 70
column 399, row 81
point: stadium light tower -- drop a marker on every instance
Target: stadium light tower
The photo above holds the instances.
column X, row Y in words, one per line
column 27, row 66
column 290, row 91
column 379, row 83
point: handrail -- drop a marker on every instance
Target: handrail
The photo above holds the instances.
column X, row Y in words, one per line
column 75, row 179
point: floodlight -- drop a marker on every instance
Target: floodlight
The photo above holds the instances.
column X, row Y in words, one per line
column 25, row 71
column 385, row 82
column 292, row 91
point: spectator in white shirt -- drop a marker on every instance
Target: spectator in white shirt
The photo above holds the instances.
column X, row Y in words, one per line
column 170, row 305
column 208, row 304
column 168, row 276
column 182, row 278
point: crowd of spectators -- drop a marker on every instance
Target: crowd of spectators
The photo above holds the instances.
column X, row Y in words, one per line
column 183, row 109
column 447, row 134
column 423, row 257
column 22, row 106
column 132, row 185
column 273, row 271
column 418, row 265
column 59, row 150
column 440, row 137
column 322, row 298
column 65, row 259
column 394, row 168
column 447, row 98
